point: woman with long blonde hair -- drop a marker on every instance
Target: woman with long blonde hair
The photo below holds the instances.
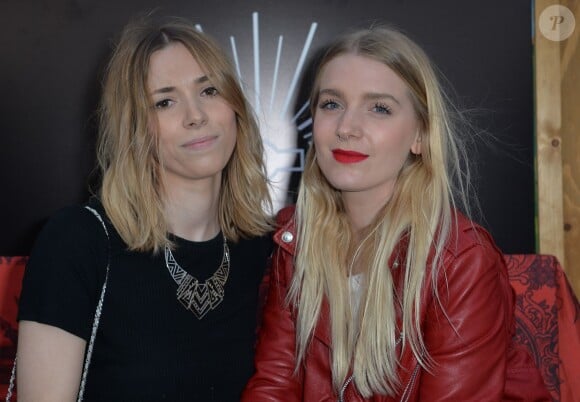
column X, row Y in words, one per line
column 381, row 289
column 150, row 291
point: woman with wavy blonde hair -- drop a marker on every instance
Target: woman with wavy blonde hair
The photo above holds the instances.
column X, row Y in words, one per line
column 381, row 289
column 154, row 282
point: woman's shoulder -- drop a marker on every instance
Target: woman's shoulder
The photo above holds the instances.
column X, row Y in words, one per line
column 72, row 224
column 72, row 216
column 471, row 261
column 467, row 236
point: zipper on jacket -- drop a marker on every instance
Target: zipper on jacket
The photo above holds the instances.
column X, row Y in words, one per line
column 349, row 379
column 341, row 395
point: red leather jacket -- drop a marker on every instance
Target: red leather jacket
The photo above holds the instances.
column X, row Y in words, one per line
column 473, row 350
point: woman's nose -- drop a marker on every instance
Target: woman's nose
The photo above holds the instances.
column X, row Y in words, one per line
column 349, row 125
column 195, row 115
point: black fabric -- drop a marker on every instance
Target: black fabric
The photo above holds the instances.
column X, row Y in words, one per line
column 148, row 346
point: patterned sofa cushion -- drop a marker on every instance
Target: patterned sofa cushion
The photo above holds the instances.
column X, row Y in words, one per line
column 548, row 321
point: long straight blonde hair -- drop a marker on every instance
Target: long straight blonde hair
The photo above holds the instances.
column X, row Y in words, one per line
column 419, row 214
column 128, row 147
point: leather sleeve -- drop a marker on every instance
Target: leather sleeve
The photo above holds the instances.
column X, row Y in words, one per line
column 274, row 379
column 468, row 332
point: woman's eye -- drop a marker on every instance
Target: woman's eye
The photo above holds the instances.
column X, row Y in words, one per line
column 380, row 108
column 162, row 104
column 328, row 105
column 211, row 91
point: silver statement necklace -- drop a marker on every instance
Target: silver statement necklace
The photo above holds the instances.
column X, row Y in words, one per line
column 199, row 298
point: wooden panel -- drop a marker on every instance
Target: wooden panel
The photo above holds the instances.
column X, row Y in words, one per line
column 548, row 140
column 570, row 132
column 557, row 79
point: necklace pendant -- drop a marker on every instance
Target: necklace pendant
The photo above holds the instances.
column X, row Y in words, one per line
column 196, row 297
column 199, row 298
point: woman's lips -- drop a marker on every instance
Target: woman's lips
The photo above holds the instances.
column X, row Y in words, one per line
column 344, row 156
column 200, row 143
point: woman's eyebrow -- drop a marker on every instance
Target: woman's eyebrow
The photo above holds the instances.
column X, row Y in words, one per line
column 164, row 90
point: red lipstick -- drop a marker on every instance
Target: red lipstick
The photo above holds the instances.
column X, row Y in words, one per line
column 344, row 156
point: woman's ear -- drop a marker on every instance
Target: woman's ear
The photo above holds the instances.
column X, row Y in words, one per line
column 416, row 146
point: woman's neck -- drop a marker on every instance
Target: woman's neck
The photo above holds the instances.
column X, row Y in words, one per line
column 361, row 211
column 192, row 210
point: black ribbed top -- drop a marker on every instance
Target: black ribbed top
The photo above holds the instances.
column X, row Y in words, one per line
column 148, row 347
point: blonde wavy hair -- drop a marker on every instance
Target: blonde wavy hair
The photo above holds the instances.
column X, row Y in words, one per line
column 420, row 211
column 128, row 146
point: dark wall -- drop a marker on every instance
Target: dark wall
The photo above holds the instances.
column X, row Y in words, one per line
column 53, row 51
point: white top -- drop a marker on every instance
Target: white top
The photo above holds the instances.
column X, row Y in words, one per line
column 356, row 290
